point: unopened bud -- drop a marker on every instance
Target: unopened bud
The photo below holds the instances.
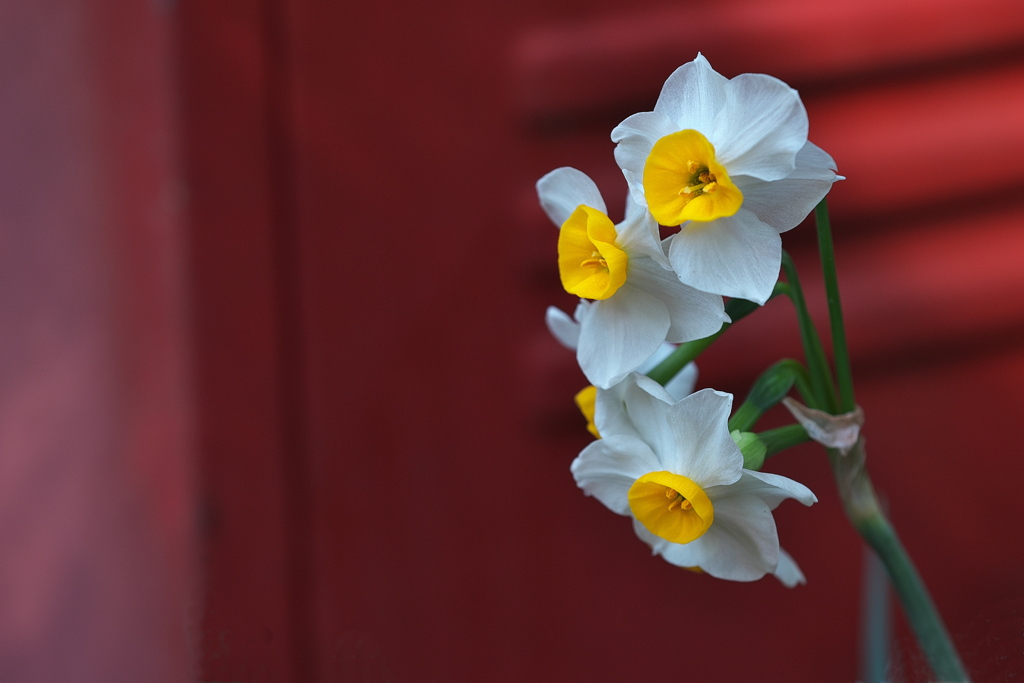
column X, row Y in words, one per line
column 752, row 448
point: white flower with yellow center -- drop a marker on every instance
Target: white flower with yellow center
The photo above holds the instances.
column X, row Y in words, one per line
column 673, row 467
column 638, row 303
column 728, row 161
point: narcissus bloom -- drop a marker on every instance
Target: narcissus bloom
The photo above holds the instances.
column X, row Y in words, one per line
column 673, row 467
column 728, row 161
column 638, row 303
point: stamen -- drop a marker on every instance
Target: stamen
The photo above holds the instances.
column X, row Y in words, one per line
column 692, row 167
column 692, row 189
column 679, row 501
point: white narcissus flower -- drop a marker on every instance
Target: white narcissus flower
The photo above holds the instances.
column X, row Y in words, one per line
column 672, row 466
column 638, row 303
column 728, row 161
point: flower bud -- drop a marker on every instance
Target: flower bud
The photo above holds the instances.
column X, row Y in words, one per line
column 752, row 448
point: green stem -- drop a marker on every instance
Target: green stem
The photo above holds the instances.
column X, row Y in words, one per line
column 745, row 417
column 875, row 620
column 844, row 375
column 817, row 364
column 865, row 513
column 781, row 438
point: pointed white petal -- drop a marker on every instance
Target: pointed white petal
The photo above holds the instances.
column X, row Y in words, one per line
column 682, row 385
column 738, row 256
column 693, row 314
column 648, row 385
column 788, row 572
column 648, row 411
column 696, row 442
column 562, row 190
column 634, row 137
column 609, row 466
column 760, row 128
column 783, row 204
column 618, row 334
column 610, row 416
column 693, row 95
column 771, row 488
column 562, row 327
column 742, row 543
column 638, row 235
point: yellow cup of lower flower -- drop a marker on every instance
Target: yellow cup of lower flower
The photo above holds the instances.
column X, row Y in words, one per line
column 671, row 506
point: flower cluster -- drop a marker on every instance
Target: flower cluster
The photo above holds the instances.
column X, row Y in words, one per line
column 725, row 164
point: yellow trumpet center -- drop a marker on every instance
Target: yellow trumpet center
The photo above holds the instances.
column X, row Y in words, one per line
column 671, row 506
column 683, row 181
column 590, row 263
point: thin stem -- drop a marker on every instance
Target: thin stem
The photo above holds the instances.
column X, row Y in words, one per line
column 745, row 417
column 844, row 375
column 865, row 513
column 875, row 618
column 781, row 438
column 817, row 364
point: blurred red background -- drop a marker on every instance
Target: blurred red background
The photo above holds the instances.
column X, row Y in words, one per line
column 277, row 403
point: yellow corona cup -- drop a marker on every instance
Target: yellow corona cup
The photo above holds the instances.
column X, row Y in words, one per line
column 590, row 263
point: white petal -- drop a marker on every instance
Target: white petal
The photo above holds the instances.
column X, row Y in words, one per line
column 634, row 137
column 788, row 572
column 562, row 327
column 685, row 380
column 738, row 256
column 620, row 333
column 610, row 416
column 681, row 555
column 761, row 127
column 783, row 204
column 742, row 543
column 693, row 314
column 638, row 235
column 682, row 384
column 771, row 488
column 564, row 189
column 609, row 466
column 693, row 95
column 663, row 352
column 701, row 448
column 648, row 385
column 648, row 409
